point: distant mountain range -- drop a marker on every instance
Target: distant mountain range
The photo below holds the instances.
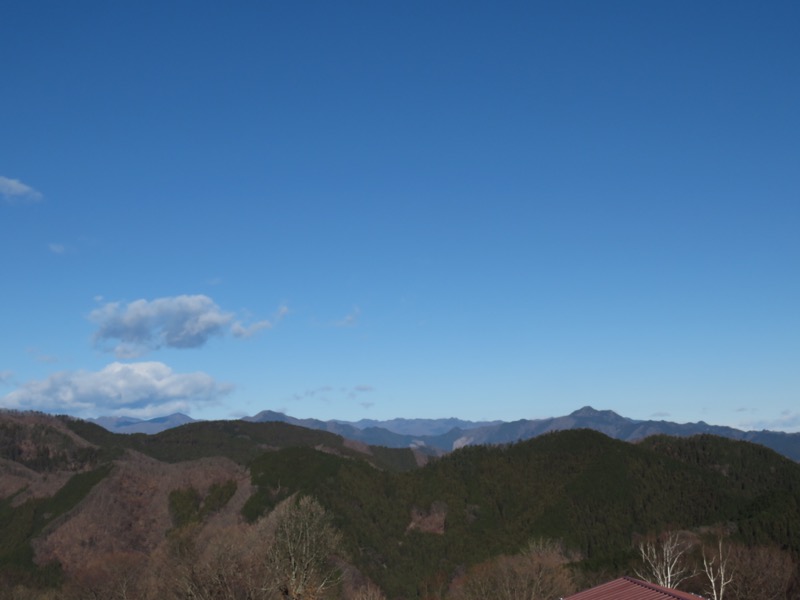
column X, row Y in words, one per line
column 149, row 426
column 439, row 436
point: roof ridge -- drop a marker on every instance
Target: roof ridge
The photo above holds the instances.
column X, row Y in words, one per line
column 658, row 588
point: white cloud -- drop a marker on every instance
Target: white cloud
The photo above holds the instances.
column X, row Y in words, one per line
column 177, row 322
column 143, row 389
column 134, row 328
column 5, row 376
column 14, row 191
column 57, row 248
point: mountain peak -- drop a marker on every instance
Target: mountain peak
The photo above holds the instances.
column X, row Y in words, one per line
column 586, row 411
column 589, row 412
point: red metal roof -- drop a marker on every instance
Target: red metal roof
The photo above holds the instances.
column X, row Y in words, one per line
column 628, row 588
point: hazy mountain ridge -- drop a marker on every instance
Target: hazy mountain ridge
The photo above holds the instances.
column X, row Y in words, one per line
column 605, row 421
column 437, row 436
column 134, row 425
column 417, row 427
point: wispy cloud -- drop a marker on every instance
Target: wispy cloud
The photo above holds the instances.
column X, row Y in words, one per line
column 173, row 322
column 360, row 389
column 56, row 248
column 328, row 393
column 245, row 331
column 238, row 329
column 788, row 421
column 41, row 357
column 350, row 319
column 311, row 393
column 143, row 389
column 5, row 376
column 14, row 191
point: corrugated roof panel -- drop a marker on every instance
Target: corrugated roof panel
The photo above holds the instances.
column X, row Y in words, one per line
column 628, row 588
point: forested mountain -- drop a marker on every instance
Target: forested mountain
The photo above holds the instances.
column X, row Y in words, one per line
column 79, row 504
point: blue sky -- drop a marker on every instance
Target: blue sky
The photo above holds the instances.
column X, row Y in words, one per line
column 415, row 209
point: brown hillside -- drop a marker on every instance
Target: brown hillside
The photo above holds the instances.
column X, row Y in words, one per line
column 38, row 454
column 128, row 512
column 23, row 483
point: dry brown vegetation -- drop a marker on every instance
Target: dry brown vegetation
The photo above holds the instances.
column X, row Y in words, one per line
column 285, row 554
column 429, row 521
column 23, row 483
column 39, row 454
column 128, row 512
column 539, row 572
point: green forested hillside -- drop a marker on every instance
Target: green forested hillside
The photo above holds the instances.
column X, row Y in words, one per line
column 766, row 485
column 594, row 493
column 240, row 441
column 413, row 530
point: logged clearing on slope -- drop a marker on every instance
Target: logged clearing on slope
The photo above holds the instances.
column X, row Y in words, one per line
column 129, row 510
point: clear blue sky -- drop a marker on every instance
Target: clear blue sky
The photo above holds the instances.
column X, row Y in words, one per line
column 493, row 210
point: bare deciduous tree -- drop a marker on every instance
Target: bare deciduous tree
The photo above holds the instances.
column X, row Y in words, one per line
column 369, row 592
column 540, row 572
column 761, row 573
column 285, row 555
column 302, row 541
column 718, row 569
column 113, row 577
column 202, row 563
column 665, row 559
